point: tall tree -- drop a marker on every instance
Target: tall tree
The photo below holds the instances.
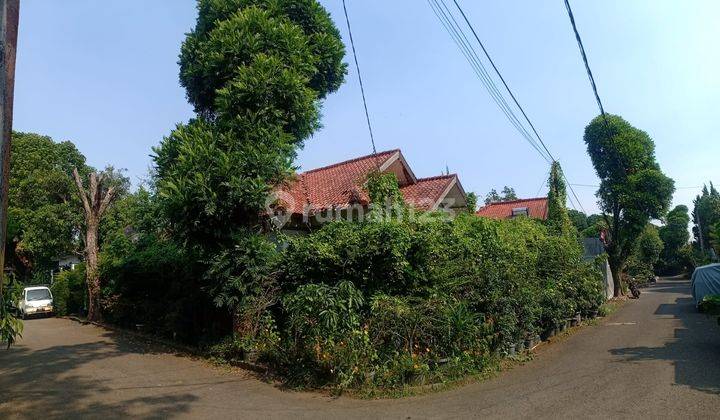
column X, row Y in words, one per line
column 471, row 200
column 578, row 219
column 507, row 194
column 646, row 253
column 675, row 235
column 706, row 213
column 42, row 204
column 101, row 190
column 633, row 189
column 256, row 72
column 558, row 217
column 715, row 238
column 492, row 197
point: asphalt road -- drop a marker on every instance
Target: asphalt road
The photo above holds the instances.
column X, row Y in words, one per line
column 654, row 358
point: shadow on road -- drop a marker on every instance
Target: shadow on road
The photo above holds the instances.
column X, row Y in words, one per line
column 695, row 347
column 47, row 381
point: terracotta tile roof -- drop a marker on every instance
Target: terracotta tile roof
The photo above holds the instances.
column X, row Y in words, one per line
column 427, row 191
column 336, row 185
column 341, row 184
column 537, row 208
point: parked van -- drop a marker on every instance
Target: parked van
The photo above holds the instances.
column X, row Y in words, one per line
column 36, row 300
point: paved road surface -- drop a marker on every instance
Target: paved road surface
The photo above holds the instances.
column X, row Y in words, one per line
column 656, row 357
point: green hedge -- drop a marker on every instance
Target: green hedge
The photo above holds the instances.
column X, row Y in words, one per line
column 153, row 285
column 388, row 303
column 69, row 291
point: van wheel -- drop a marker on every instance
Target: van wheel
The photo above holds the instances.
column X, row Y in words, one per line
column 22, row 315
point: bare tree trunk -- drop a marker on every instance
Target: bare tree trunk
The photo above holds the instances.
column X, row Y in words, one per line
column 616, row 267
column 91, row 270
column 95, row 202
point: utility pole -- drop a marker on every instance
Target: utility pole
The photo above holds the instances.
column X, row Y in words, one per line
column 8, row 47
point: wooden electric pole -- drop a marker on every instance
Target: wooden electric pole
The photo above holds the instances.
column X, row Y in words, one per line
column 8, row 47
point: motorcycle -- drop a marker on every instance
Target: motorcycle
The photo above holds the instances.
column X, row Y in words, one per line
column 634, row 290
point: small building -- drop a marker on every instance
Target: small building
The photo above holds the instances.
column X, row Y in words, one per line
column 337, row 191
column 535, row 208
column 68, row 261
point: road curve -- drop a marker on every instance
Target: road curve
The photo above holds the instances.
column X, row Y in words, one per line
column 655, row 357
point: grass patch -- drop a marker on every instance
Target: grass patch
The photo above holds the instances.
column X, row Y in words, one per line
column 491, row 370
column 608, row 308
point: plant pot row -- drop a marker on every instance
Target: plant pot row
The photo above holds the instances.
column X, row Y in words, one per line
column 530, row 342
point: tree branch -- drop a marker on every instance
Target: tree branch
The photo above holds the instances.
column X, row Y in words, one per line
column 81, row 192
column 109, row 196
column 94, row 191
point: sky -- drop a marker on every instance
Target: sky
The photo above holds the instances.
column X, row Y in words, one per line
column 104, row 75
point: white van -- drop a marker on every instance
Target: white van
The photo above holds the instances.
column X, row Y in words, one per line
column 36, row 300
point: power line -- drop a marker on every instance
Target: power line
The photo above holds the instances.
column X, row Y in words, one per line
column 585, row 60
column 458, row 36
column 677, row 188
column 462, row 12
column 507, row 87
column 573, row 193
column 544, row 183
column 362, row 88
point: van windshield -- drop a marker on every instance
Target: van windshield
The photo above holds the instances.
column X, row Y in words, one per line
column 38, row 294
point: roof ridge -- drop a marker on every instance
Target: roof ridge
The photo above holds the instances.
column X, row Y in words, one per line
column 351, row 161
column 432, row 178
column 521, row 200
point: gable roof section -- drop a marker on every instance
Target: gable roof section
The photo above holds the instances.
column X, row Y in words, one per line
column 335, row 185
column 537, row 208
column 342, row 184
column 426, row 193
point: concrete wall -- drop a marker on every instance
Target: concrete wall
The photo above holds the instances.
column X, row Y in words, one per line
column 607, row 279
column 593, row 247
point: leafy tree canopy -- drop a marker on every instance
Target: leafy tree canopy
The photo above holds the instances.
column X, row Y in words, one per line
column 558, row 217
column 633, row 189
column 42, row 205
column 230, row 36
column 715, row 237
column 646, row 253
column 706, row 214
column 471, row 199
column 255, row 70
column 649, row 245
column 578, row 219
column 675, row 236
column 507, row 194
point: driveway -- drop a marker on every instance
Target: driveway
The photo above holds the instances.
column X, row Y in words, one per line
column 655, row 357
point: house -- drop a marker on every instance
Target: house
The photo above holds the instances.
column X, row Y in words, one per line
column 536, row 208
column 337, row 191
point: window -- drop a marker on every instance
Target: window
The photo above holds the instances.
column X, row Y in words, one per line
column 520, row 211
column 38, row 294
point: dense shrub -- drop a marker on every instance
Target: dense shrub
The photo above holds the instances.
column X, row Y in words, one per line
column 325, row 339
column 11, row 327
column 155, row 285
column 69, row 291
column 380, row 303
column 241, row 281
column 388, row 303
column 374, row 256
